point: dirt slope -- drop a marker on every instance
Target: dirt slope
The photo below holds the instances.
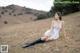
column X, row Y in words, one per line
column 18, row 34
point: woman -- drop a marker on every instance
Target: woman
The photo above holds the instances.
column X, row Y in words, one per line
column 52, row 33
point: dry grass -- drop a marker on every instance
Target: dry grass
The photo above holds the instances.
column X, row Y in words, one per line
column 18, row 34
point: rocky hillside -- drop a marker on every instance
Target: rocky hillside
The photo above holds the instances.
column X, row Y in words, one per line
column 14, row 14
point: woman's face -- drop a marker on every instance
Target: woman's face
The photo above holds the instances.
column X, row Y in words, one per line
column 56, row 17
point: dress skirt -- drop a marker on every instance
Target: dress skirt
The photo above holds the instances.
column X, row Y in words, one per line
column 53, row 34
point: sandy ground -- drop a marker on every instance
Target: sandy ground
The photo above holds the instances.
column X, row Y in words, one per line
column 16, row 35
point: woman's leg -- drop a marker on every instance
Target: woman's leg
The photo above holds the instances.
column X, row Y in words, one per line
column 35, row 42
column 47, row 38
column 40, row 40
column 44, row 38
column 50, row 39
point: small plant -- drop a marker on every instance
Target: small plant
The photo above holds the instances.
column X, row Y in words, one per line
column 36, row 14
column 28, row 12
column 20, row 14
column 10, row 14
column 14, row 14
column 6, row 10
column 0, row 16
column 13, row 11
column 79, row 7
column 3, row 7
column 2, row 12
column 5, row 22
column 41, row 16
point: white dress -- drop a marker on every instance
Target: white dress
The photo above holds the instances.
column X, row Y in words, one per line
column 53, row 33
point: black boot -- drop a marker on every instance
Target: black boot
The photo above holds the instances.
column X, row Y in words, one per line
column 35, row 42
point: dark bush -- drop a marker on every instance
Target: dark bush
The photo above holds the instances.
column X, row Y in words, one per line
column 14, row 14
column 3, row 7
column 13, row 10
column 42, row 16
column 5, row 22
column 79, row 7
column 19, row 14
column 36, row 14
column 2, row 12
column 0, row 16
column 64, row 8
column 6, row 10
column 10, row 13
column 28, row 12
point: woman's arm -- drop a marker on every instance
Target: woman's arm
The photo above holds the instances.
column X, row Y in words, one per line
column 63, row 29
column 52, row 24
column 65, row 36
column 64, row 32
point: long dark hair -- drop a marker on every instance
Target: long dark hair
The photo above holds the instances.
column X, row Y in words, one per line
column 59, row 14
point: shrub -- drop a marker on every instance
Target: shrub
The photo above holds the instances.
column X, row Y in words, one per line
column 2, row 12
column 42, row 16
column 0, row 16
column 5, row 22
column 79, row 7
column 6, row 10
column 19, row 14
column 10, row 13
column 14, row 14
column 36, row 14
column 3, row 7
column 65, row 8
column 13, row 10
column 28, row 13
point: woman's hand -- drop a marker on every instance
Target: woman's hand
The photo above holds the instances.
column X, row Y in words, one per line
column 64, row 32
column 63, row 29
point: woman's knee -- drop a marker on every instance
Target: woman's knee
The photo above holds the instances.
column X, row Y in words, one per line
column 44, row 38
column 50, row 39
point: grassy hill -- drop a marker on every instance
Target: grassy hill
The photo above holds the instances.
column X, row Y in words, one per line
column 14, row 14
column 16, row 35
